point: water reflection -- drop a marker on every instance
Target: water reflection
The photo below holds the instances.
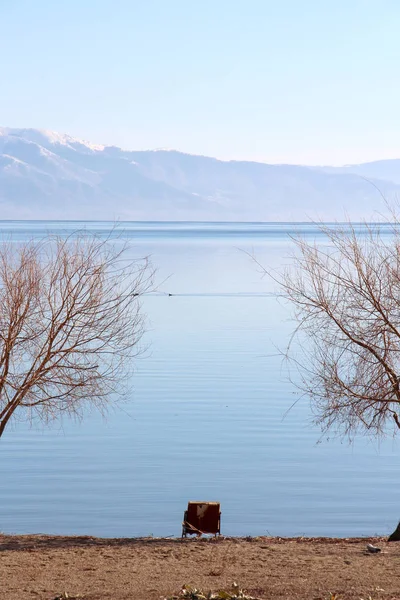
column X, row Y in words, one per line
column 208, row 418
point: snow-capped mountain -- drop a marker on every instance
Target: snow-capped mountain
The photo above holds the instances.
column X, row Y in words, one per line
column 46, row 175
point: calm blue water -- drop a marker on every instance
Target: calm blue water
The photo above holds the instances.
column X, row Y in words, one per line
column 208, row 418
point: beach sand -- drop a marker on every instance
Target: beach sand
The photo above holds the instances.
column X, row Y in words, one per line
column 42, row 567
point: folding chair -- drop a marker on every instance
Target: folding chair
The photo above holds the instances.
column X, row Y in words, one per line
column 202, row 517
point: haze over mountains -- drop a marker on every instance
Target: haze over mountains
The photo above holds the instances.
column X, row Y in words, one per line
column 45, row 175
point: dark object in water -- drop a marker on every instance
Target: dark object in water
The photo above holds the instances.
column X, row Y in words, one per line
column 372, row 549
column 201, row 517
column 395, row 536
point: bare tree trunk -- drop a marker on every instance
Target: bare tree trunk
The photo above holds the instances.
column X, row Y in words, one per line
column 395, row 536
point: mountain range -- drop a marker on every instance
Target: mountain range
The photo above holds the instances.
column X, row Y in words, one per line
column 46, row 175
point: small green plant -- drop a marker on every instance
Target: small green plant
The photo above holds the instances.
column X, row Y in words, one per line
column 189, row 592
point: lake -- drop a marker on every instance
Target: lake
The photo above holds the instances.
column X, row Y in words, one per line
column 209, row 416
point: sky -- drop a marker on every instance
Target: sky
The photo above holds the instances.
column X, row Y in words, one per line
column 283, row 81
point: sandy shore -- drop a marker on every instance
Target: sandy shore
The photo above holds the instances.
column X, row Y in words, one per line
column 42, row 567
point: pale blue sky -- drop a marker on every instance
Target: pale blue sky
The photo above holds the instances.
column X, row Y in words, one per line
column 298, row 81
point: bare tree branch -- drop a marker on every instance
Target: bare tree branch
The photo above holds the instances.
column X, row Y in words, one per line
column 70, row 324
column 346, row 347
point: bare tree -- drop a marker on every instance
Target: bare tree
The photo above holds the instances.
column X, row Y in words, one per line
column 345, row 291
column 70, row 325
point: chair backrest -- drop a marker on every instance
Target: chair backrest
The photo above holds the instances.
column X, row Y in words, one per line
column 204, row 516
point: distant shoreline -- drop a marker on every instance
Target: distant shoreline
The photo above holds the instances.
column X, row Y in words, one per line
column 25, row 540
